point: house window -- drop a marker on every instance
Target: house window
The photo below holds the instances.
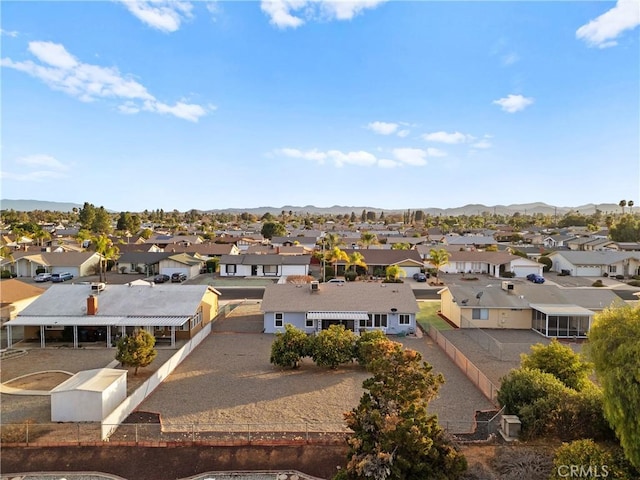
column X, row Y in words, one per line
column 270, row 269
column 279, row 319
column 196, row 319
column 230, row 269
column 308, row 323
column 613, row 269
column 378, row 320
column 404, row 319
column 185, row 326
column 480, row 314
column 364, row 323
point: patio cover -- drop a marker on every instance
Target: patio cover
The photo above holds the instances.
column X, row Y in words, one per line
column 562, row 310
column 337, row 316
column 98, row 321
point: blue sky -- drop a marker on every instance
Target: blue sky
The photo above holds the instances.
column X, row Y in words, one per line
column 392, row 104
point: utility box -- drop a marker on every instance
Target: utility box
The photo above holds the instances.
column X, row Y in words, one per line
column 510, row 427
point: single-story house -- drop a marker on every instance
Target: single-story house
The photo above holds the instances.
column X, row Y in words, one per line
column 596, row 263
column 558, row 240
column 491, row 263
column 378, row 260
column 205, row 249
column 100, row 313
column 79, row 264
column 477, row 241
column 269, row 265
column 147, row 263
column 547, row 309
column 15, row 296
column 308, row 242
column 359, row 306
column 190, row 265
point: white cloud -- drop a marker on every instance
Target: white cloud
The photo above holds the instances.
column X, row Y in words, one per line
column 603, row 31
column 410, row 156
column 294, row 13
column 42, row 160
column 403, row 133
column 482, row 144
column 510, row 58
column 383, row 128
column 9, row 33
column 386, row 163
column 62, row 71
column 314, row 154
column 513, row 103
column 41, row 166
column 445, row 137
column 436, row 152
column 163, row 15
column 361, row 158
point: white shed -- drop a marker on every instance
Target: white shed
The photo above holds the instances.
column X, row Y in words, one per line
column 88, row 396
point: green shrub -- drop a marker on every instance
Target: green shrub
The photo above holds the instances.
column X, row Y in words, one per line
column 524, row 386
column 522, row 463
column 365, row 343
column 591, row 460
column 507, row 274
column 333, row 346
column 560, row 361
column 5, row 274
column 634, row 283
column 212, row 264
column 290, row 347
column 597, row 283
column 547, row 262
column 40, row 270
column 350, row 276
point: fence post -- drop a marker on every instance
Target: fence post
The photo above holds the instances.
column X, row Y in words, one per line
column 136, row 433
column 78, row 428
column 27, row 433
column 248, row 433
column 306, row 430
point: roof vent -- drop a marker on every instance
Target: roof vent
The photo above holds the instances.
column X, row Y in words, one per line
column 98, row 287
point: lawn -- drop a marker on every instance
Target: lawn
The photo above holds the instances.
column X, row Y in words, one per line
column 428, row 315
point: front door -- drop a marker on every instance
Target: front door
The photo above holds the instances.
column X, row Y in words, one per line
column 254, row 270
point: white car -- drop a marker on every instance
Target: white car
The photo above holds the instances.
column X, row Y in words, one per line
column 336, row 280
column 42, row 277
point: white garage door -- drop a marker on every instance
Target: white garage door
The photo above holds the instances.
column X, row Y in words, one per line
column 171, row 270
column 75, row 271
column 588, row 271
column 522, row 272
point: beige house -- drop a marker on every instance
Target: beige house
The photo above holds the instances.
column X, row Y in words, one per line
column 15, row 296
column 547, row 309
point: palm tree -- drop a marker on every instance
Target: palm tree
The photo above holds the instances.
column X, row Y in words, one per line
column 331, row 240
column 336, row 255
column 394, row 272
column 438, row 258
column 107, row 250
column 368, row 238
column 356, row 259
column 622, row 204
column 630, row 205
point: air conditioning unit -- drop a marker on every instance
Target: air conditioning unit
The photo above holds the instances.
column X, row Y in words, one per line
column 508, row 286
column 315, row 286
column 510, row 427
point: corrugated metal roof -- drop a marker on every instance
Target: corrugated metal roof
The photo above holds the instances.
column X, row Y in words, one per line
column 337, row 316
column 96, row 380
column 98, row 321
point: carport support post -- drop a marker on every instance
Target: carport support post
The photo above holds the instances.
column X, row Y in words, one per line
column 9, row 336
column 75, row 336
column 42, row 341
column 173, row 336
column 108, row 336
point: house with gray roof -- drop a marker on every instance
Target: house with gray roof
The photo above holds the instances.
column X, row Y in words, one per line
column 359, row 306
column 596, row 263
column 548, row 309
column 264, row 265
column 378, row 260
column 28, row 263
column 490, row 263
column 99, row 314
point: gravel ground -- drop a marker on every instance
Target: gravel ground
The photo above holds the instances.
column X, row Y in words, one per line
column 246, row 389
column 18, row 408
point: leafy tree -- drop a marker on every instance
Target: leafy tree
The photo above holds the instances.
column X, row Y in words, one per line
column 128, row 222
column 368, row 238
column 334, row 256
column 273, row 229
column 87, row 215
column 547, row 262
column 560, row 361
column 136, row 350
column 438, row 258
column 394, row 435
column 524, row 386
column 355, row 259
column 333, row 346
column 101, row 222
column 626, row 229
column 107, row 250
column 401, row 246
column 147, row 233
column 614, row 349
column 365, row 345
column 289, row 347
column 394, row 272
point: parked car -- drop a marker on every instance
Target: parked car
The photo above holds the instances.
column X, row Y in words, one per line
column 178, row 277
column 336, row 280
column 419, row 277
column 42, row 277
column 61, row 277
column 535, row 278
column 161, row 278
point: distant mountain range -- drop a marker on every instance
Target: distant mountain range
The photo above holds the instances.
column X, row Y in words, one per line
column 472, row 209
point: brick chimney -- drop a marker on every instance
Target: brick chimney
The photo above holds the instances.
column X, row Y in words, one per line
column 92, row 305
